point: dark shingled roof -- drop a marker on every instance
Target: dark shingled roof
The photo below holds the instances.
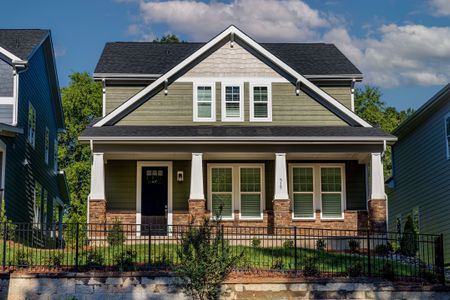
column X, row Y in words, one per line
column 22, row 42
column 157, row 58
column 236, row 131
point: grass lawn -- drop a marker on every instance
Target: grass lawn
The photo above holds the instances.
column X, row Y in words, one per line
column 165, row 256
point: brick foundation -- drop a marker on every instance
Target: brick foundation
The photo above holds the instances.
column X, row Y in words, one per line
column 197, row 211
column 97, row 211
column 281, row 212
column 377, row 214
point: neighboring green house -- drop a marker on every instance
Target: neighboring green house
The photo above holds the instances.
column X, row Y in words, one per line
column 266, row 130
column 34, row 189
column 423, row 145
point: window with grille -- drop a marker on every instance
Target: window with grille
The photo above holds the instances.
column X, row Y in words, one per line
column 204, row 103
column 260, row 103
column 232, row 103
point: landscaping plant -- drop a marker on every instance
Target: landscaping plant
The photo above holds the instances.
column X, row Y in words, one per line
column 116, row 236
column 94, row 258
column 288, row 244
column 354, row 246
column 310, row 267
column 256, row 243
column 24, row 258
column 124, row 259
column 382, row 250
column 205, row 260
column 321, row 245
column 55, row 260
column 6, row 222
column 355, row 270
column 409, row 243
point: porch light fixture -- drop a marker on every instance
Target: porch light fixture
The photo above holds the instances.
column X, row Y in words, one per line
column 166, row 83
column 180, row 176
column 297, row 87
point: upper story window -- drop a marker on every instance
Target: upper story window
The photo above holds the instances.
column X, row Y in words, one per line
column 232, row 102
column 37, row 204
column 447, row 134
column 55, row 156
column 260, row 103
column 204, row 103
column 31, row 125
column 47, row 145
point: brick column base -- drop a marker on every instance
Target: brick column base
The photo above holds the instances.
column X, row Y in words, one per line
column 197, row 211
column 281, row 212
column 377, row 215
column 97, row 211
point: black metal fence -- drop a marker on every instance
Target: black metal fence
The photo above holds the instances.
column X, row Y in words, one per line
column 292, row 250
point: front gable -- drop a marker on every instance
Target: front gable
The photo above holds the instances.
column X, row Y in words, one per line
column 232, row 56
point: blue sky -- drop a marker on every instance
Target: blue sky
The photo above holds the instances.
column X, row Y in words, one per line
column 402, row 46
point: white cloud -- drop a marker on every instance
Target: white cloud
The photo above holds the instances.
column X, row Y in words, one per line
column 440, row 7
column 397, row 55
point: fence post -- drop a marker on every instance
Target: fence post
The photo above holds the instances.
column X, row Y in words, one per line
column 295, row 249
column 439, row 257
column 369, row 267
column 221, row 233
column 149, row 244
column 77, row 237
column 4, row 245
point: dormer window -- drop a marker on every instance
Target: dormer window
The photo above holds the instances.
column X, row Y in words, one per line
column 204, row 103
column 260, row 103
column 232, row 102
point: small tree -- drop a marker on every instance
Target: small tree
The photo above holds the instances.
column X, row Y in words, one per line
column 205, row 260
column 409, row 240
column 6, row 222
column 116, row 236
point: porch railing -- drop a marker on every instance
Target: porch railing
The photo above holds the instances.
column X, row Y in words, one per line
column 290, row 250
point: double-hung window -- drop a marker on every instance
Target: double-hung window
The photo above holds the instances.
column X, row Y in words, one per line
column 37, row 205
column 260, row 103
column 232, row 102
column 317, row 186
column 250, row 189
column 47, row 145
column 31, row 125
column 234, row 186
column 447, row 134
column 204, row 102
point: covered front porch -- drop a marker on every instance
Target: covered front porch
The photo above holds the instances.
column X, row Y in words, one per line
column 334, row 186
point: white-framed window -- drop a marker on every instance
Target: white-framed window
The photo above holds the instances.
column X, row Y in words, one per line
column 47, row 145
column 317, row 186
column 31, row 125
column 447, row 134
column 44, row 207
column 260, row 102
column 251, row 192
column 232, row 102
column 55, row 156
column 236, row 186
column 37, row 205
column 204, row 102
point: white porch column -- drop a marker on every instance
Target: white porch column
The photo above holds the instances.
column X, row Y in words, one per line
column 281, row 187
column 97, row 177
column 197, row 177
column 377, row 177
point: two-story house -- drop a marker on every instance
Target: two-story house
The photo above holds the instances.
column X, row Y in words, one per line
column 423, row 144
column 33, row 188
column 265, row 130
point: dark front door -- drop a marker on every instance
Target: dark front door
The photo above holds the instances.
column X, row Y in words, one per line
column 154, row 195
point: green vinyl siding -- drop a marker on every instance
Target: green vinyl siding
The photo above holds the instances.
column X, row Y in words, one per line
column 340, row 93
column 116, row 95
column 120, row 183
column 176, row 108
column 181, row 190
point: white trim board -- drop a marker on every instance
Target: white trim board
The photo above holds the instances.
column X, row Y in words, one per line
column 110, row 118
column 141, row 164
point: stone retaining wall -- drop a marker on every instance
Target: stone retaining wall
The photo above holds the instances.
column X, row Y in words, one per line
column 144, row 286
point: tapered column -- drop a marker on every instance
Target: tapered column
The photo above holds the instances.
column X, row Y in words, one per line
column 97, row 198
column 281, row 202
column 197, row 196
column 377, row 202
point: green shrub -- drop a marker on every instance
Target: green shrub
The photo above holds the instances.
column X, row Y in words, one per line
column 277, row 264
column 244, row 263
column 426, row 274
column 387, row 271
column 125, row 259
column 354, row 245
column 382, row 250
column 5, row 221
column 288, row 244
column 256, row 243
column 409, row 240
column 24, row 258
column 310, row 267
column 55, row 260
column 355, row 270
column 321, row 245
column 94, row 258
column 116, row 236
column 205, row 261
column 394, row 247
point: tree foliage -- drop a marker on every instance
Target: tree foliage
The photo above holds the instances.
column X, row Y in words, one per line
column 168, row 39
column 370, row 107
column 82, row 102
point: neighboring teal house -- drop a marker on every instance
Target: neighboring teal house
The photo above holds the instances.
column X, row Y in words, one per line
column 33, row 188
column 420, row 185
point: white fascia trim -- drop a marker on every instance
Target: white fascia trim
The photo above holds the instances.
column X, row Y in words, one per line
column 257, row 47
column 224, row 85
column 238, row 138
column 269, row 101
column 195, row 117
column 9, row 55
column 100, row 76
column 447, row 134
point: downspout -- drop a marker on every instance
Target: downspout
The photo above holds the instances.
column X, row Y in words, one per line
column 18, row 67
column 91, row 145
column 352, row 97
column 103, row 97
column 385, row 194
